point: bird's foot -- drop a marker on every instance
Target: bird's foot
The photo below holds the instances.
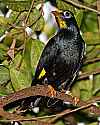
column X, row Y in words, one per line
column 51, row 91
column 75, row 99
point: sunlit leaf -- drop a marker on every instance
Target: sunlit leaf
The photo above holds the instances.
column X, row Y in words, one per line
column 20, row 70
column 37, row 47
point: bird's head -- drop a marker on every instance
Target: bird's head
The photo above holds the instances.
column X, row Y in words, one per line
column 64, row 19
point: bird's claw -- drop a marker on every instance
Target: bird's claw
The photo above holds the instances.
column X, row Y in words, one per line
column 75, row 99
column 51, row 91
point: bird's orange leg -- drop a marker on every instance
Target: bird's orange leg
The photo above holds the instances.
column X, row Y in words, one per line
column 51, row 91
column 75, row 99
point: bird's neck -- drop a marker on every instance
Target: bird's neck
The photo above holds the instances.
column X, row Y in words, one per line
column 73, row 30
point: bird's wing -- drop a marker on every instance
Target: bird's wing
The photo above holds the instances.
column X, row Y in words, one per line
column 83, row 53
column 81, row 60
column 46, row 58
column 79, row 64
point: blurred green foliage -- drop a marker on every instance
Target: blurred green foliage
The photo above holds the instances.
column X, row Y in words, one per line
column 16, row 73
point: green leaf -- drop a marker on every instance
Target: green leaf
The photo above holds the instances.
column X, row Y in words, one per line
column 4, row 74
column 59, row 123
column 83, row 89
column 89, row 22
column 79, row 16
column 3, row 52
column 92, row 38
column 37, row 48
column 20, row 69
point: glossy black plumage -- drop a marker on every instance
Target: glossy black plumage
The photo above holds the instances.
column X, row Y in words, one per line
column 63, row 55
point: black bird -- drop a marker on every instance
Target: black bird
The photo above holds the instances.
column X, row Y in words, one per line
column 63, row 55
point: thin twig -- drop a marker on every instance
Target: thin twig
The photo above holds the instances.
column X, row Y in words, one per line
column 18, row 118
column 87, row 74
column 39, row 16
column 91, row 61
column 74, row 3
column 20, row 12
column 98, row 8
column 67, row 112
column 35, row 21
column 29, row 11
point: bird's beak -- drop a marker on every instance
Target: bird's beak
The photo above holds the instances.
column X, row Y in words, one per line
column 60, row 21
column 56, row 13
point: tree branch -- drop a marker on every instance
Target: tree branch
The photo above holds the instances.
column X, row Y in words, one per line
column 79, row 5
column 67, row 112
column 89, row 61
column 29, row 11
column 41, row 90
column 18, row 118
column 98, row 8
column 87, row 74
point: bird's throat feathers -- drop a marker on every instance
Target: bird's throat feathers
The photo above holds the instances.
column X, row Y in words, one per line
column 61, row 23
column 69, row 26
